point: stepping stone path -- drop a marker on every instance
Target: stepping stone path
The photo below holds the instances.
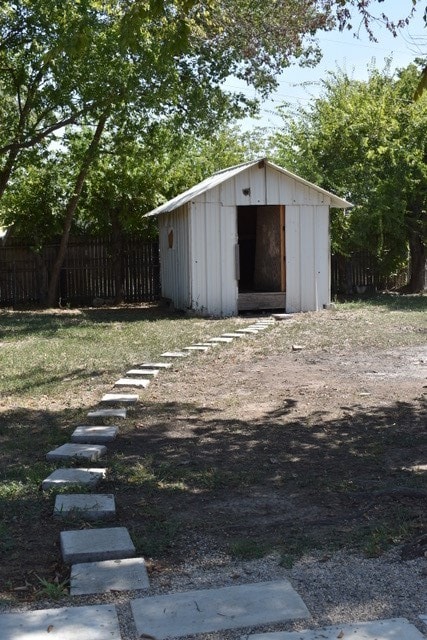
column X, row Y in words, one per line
column 96, row 622
column 209, row 610
column 94, row 435
column 91, row 545
column 70, row 451
column 90, row 506
column 82, row 477
column 110, row 575
column 392, row 629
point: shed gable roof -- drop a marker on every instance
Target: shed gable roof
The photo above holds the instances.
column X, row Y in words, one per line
column 224, row 175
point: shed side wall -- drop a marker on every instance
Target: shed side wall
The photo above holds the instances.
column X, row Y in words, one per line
column 175, row 259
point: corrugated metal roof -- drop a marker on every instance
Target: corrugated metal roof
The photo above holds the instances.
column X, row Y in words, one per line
column 226, row 174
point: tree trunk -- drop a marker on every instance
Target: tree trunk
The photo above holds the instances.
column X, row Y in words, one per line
column 71, row 207
column 417, row 251
column 5, row 173
column 117, row 257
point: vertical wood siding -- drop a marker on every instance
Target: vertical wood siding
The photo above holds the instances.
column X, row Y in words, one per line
column 307, row 258
column 214, row 236
column 175, row 260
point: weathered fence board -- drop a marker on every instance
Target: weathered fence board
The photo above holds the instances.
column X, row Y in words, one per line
column 360, row 273
column 92, row 270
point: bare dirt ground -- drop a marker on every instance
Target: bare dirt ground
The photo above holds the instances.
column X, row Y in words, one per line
column 251, row 450
column 291, row 451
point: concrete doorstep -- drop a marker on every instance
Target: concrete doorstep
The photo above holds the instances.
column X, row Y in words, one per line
column 208, row 610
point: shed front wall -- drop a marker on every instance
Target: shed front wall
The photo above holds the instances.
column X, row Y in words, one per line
column 213, row 265
column 175, row 256
column 307, row 258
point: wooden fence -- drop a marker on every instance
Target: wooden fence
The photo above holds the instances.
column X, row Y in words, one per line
column 93, row 271
column 360, row 273
column 96, row 269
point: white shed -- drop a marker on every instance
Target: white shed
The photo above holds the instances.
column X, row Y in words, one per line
column 253, row 236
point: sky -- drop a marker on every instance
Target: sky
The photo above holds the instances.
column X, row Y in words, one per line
column 298, row 85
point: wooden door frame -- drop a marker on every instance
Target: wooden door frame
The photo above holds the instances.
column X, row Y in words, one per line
column 282, row 210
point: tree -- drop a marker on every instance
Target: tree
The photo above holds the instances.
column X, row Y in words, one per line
column 367, row 141
column 103, row 64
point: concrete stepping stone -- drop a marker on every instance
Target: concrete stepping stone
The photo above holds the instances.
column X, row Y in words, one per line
column 107, row 413
column 132, row 382
column 392, row 629
column 174, row 354
column 155, row 365
column 110, row 575
column 209, row 610
column 95, row 622
column 78, row 477
column 90, row 506
column 92, row 545
column 120, row 397
column 143, row 372
column 94, row 435
column 70, row 451
column 220, row 340
column 206, row 344
column 196, row 347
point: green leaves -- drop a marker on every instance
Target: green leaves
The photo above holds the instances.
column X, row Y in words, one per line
column 366, row 141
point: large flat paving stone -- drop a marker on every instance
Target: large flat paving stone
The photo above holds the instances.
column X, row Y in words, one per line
column 132, row 382
column 120, row 397
column 92, row 545
column 90, row 506
column 392, row 629
column 220, row 340
column 96, row 622
column 82, row 477
column 209, row 610
column 143, row 372
column 110, row 575
column 70, row 451
column 94, row 435
column 107, row 413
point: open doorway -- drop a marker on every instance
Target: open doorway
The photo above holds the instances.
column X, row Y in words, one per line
column 261, row 233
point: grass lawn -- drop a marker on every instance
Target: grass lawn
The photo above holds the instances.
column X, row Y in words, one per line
column 249, row 447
